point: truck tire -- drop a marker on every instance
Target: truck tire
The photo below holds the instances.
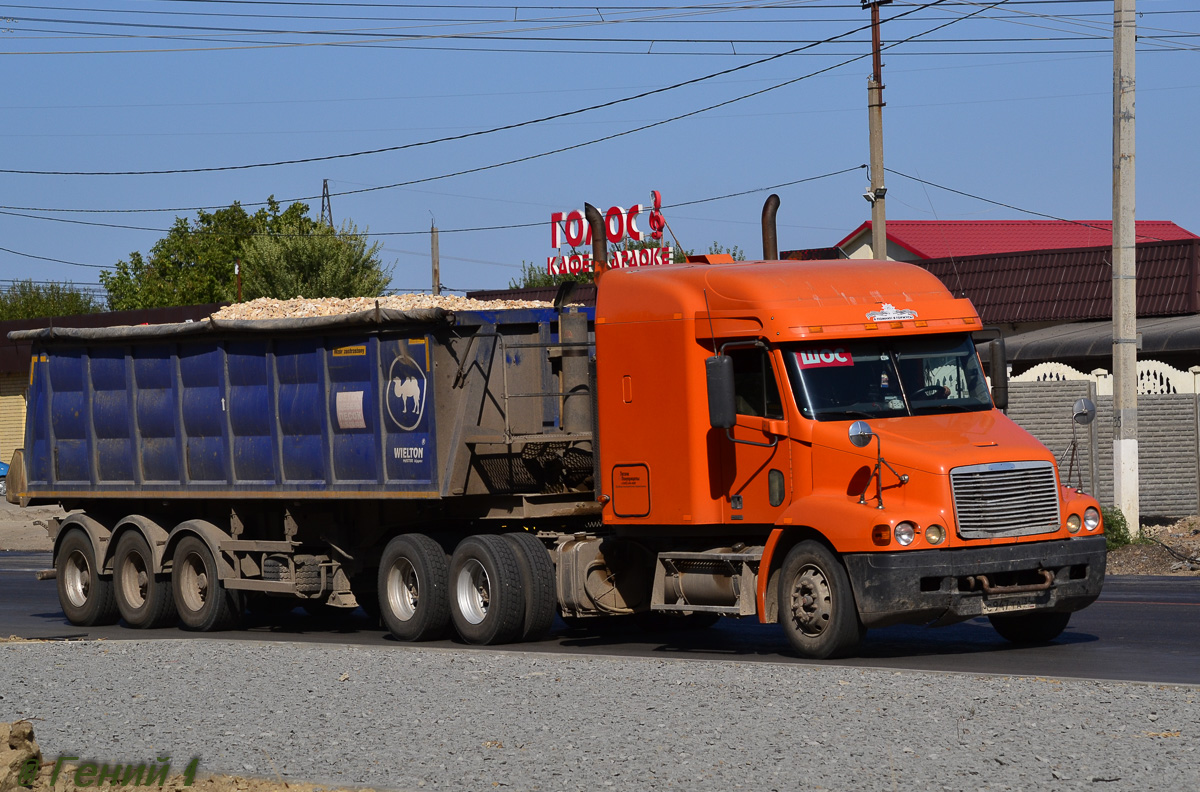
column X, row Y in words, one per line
column 143, row 598
column 86, row 598
column 414, row 585
column 487, row 600
column 816, row 603
column 203, row 602
column 1030, row 628
column 537, row 584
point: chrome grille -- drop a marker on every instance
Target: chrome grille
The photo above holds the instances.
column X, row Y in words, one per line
column 1005, row 499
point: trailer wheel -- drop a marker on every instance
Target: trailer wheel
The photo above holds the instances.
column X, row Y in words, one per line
column 816, row 603
column 86, row 598
column 488, row 600
column 1030, row 628
column 537, row 584
column 413, row 585
column 143, row 598
column 203, row 602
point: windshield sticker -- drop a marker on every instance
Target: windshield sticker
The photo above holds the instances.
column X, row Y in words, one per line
column 824, row 358
column 890, row 313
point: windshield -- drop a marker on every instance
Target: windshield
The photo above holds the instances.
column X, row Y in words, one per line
column 887, row 377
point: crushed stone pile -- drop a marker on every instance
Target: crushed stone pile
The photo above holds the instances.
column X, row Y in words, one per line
column 269, row 308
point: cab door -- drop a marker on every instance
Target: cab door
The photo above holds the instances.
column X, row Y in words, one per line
column 758, row 463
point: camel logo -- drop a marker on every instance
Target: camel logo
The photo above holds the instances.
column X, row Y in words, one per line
column 405, row 396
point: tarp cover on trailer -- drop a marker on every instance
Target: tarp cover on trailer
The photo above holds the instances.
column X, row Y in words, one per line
column 378, row 316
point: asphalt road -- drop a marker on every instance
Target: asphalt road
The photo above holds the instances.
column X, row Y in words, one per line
column 1141, row 629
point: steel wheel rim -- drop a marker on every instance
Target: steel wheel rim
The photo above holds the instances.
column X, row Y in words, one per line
column 135, row 580
column 812, row 601
column 474, row 591
column 77, row 578
column 193, row 583
column 403, row 589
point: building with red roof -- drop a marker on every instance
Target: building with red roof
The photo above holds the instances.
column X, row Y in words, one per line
column 912, row 240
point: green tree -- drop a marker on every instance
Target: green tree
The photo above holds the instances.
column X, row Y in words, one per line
column 194, row 262
column 305, row 260
column 28, row 300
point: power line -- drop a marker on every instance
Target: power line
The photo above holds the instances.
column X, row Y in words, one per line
column 465, row 135
column 54, row 260
column 1011, row 206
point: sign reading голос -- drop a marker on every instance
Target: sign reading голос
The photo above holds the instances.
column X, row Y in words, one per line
column 619, row 224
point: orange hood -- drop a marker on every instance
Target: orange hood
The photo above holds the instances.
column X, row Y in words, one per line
column 937, row 443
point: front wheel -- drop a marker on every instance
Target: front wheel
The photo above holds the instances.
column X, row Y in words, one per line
column 816, row 603
column 143, row 598
column 487, row 600
column 413, row 585
column 87, row 599
column 203, row 602
column 1030, row 628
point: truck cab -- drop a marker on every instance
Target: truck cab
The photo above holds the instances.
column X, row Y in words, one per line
column 825, row 433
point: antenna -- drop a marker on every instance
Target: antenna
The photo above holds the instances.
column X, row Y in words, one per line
column 711, row 331
column 326, row 206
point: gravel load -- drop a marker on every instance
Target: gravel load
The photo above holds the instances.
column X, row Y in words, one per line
column 268, row 308
column 414, row 718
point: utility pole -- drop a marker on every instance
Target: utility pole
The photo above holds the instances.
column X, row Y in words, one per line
column 436, row 255
column 1124, row 264
column 237, row 270
column 326, row 206
column 875, row 119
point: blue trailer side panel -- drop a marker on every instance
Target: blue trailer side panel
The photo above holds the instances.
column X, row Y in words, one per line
column 259, row 416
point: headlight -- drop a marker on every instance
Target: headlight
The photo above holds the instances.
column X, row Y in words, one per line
column 1091, row 518
column 905, row 533
column 1074, row 523
column 934, row 534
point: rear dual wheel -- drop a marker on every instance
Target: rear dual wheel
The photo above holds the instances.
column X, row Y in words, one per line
column 144, row 599
column 413, row 587
column 203, row 602
column 1030, row 628
column 86, row 597
column 487, row 596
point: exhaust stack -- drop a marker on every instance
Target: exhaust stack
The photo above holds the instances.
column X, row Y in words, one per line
column 770, row 237
column 599, row 240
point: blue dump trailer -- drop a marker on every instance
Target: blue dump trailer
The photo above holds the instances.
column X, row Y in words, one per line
column 224, row 465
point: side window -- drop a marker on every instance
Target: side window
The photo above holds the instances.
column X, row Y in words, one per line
column 754, row 388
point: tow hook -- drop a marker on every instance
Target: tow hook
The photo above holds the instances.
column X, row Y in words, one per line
column 986, row 586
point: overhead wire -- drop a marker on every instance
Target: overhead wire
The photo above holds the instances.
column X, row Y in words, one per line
column 476, row 133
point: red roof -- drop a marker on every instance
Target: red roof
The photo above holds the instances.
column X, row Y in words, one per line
column 1072, row 285
column 946, row 238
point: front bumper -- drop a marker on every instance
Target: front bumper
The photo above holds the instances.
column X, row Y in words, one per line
column 942, row 586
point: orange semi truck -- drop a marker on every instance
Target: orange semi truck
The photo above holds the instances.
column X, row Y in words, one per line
column 806, row 443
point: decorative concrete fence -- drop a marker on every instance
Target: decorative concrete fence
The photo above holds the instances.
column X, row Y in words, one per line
column 1041, row 398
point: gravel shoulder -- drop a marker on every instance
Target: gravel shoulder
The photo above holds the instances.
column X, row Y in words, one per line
column 410, row 718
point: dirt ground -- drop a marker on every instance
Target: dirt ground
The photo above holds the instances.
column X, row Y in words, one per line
column 20, row 528
column 19, row 752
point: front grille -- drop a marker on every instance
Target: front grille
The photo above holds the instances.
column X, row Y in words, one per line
column 1005, row 499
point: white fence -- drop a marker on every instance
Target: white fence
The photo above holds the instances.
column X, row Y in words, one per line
column 1168, row 430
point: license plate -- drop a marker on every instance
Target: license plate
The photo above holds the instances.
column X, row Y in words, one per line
column 1008, row 607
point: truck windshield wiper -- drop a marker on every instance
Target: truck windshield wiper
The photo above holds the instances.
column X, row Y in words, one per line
column 847, row 413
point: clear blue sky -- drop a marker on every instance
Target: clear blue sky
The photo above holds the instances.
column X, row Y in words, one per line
column 1013, row 104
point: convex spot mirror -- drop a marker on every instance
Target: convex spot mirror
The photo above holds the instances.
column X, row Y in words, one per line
column 1083, row 412
column 860, row 434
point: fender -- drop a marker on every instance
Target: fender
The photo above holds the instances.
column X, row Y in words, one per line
column 212, row 536
column 155, row 535
column 97, row 534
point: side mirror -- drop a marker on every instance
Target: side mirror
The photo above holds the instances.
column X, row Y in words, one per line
column 860, row 434
column 722, row 411
column 998, row 362
column 1083, row 412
